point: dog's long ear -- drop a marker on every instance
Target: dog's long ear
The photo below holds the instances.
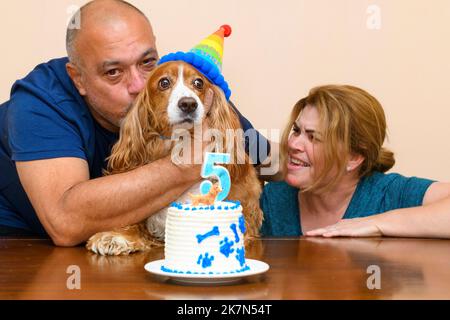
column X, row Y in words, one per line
column 222, row 117
column 130, row 151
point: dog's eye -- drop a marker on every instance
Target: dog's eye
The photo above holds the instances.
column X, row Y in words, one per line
column 198, row 83
column 164, row 84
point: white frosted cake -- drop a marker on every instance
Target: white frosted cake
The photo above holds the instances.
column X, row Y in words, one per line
column 205, row 239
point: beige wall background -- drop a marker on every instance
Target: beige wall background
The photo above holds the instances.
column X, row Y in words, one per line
column 398, row 50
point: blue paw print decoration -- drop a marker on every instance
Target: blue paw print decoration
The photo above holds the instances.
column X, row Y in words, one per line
column 226, row 247
column 205, row 261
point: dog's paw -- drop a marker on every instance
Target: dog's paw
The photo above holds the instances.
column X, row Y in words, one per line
column 110, row 244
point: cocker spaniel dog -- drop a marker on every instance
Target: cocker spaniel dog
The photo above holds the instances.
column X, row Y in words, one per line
column 175, row 95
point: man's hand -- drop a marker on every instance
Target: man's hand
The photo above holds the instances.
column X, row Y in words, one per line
column 358, row 227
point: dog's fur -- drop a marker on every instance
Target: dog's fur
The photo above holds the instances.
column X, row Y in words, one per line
column 153, row 116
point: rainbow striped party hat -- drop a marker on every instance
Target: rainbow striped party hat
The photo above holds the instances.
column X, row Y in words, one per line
column 206, row 57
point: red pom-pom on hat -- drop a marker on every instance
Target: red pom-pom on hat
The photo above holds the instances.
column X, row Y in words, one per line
column 226, row 30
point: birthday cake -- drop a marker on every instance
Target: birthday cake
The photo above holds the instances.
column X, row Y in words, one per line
column 205, row 239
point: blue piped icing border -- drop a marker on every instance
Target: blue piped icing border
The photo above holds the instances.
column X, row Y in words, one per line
column 188, row 207
column 168, row 270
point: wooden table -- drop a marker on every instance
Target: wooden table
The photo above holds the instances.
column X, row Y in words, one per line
column 305, row 268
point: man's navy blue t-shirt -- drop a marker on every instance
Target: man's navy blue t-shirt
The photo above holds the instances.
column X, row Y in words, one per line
column 47, row 118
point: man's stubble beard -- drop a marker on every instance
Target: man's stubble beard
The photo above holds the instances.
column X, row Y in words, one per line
column 107, row 117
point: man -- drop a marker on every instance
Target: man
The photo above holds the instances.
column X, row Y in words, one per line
column 60, row 123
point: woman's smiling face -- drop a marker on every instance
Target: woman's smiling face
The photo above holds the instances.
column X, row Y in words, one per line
column 305, row 149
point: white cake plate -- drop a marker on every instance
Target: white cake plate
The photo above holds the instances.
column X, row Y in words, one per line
column 256, row 267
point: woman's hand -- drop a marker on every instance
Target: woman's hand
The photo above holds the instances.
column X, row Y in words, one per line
column 358, row 227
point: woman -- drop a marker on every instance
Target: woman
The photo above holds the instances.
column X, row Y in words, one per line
column 335, row 182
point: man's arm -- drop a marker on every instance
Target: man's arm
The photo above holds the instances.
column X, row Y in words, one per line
column 271, row 169
column 72, row 208
column 266, row 159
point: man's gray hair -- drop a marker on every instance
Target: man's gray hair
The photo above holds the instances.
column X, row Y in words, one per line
column 74, row 27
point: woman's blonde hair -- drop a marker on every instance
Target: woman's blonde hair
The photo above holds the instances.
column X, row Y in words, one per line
column 352, row 122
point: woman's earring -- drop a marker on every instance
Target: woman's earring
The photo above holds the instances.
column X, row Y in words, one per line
column 349, row 169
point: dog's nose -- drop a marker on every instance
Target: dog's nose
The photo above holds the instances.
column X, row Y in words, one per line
column 187, row 104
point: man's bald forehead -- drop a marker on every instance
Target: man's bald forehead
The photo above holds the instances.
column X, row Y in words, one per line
column 98, row 12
